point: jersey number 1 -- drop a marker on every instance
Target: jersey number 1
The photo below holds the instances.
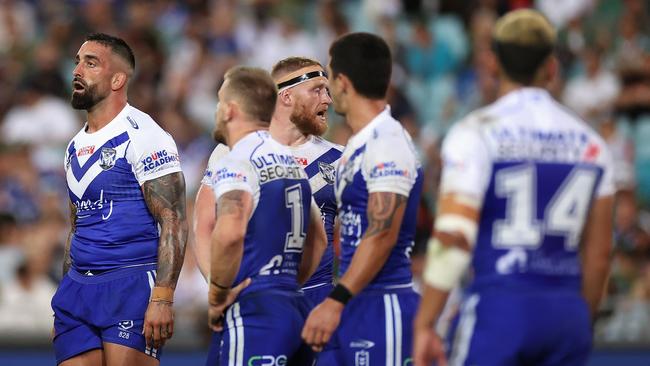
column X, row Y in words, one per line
column 564, row 215
column 296, row 237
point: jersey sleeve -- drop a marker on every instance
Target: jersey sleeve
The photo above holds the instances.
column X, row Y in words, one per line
column 153, row 155
column 390, row 163
column 234, row 175
column 465, row 162
column 217, row 154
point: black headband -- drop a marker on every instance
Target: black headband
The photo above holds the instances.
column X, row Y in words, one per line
column 302, row 78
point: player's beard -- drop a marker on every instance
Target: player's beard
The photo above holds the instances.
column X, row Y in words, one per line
column 219, row 132
column 308, row 122
column 86, row 99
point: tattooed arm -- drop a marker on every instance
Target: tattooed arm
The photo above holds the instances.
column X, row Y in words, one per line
column 385, row 212
column 67, row 261
column 233, row 211
column 165, row 197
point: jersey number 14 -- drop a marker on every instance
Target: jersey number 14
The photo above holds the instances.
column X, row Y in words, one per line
column 565, row 213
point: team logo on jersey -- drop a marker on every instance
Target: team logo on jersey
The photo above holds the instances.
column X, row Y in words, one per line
column 125, row 324
column 327, row 171
column 86, row 150
column 361, row 358
column 132, row 122
column 108, row 158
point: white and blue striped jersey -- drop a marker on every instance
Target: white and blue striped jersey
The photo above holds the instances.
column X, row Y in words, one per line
column 219, row 152
column 319, row 158
column 536, row 169
column 105, row 171
column 379, row 158
column 281, row 194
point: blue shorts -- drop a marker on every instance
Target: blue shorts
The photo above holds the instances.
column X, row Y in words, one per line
column 376, row 329
column 213, row 349
column 263, row 328
column 108, row 307
column 521, row 329
column 316, row 295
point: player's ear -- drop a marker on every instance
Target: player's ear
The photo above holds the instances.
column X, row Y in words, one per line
column 285, row 97
column 118, row 80
column 344, row 82
column 230, row 110
column 552, row 68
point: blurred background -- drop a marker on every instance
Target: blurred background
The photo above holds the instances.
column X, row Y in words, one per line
column 443, row 68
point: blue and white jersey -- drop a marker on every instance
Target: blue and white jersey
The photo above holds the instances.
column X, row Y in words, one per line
column 281, row 205
column 105, row 171
column 219, row 152
column 379, row 158
column 319, row 158
column 536, row 169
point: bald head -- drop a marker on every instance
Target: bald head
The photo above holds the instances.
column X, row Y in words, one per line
column 523, row 40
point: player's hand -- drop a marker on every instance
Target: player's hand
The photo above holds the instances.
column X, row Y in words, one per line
column 321, row 324
column 427, row 348
column 158, row 323
column 219, row 300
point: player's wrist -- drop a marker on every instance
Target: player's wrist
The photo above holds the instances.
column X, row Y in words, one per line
column 217, row 293
column 161, row 294
column 340, row 294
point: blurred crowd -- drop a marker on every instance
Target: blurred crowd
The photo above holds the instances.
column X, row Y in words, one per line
column 443, row 68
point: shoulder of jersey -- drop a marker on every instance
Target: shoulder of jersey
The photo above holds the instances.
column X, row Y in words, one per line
column 140, row 124
column 318, row 140
column 574, row 118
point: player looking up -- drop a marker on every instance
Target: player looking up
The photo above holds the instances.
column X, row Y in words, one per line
column 127, row 241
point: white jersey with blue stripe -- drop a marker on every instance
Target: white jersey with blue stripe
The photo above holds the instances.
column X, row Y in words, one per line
column 219, row 152
column 379, row 158
column 105, row 171
column 320, row 158
column 281, row 195
column 536, row 169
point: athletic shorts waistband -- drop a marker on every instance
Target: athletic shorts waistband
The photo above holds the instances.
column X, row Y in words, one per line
column 387, row 289
column 106, row 276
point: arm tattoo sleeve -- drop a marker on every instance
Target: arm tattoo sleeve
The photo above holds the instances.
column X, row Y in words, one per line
column 381, row 211
column 231, row 203
column 165, row 197
column 67, row 261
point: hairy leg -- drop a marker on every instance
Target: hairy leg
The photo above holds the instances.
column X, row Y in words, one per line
column 118, row 355
column 93, row 357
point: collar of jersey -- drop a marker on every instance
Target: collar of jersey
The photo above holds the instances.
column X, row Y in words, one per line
column 110, row 126
column 257, row 134
column 523, row 94
column 366, row 132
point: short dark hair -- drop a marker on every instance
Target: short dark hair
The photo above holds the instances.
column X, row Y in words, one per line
column 366, row 60
column 255, row 89
column 117, row 45
column 291, row 64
